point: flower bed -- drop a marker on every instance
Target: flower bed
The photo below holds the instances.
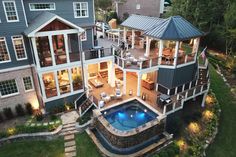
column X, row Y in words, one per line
column 199, row 134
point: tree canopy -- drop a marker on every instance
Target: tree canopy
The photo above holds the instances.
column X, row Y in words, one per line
column 216, row 17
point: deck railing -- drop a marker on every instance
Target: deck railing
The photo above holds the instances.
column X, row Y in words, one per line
column 98, row 53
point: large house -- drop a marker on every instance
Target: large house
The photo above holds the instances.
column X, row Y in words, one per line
column 141, row 7
column 147, row 70
column 40, row 50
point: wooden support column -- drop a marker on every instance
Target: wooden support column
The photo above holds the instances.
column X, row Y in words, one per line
column 176, row 53
column 160, row 51
column 148, row 41
column 203, row 99
column 52, row 50
column 124, row 34
column 66, row 47
column 133, row 38
column 33, row 41
column 124, row 82
column 139, row 84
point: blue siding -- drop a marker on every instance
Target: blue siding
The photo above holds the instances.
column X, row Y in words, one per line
column 61, row 102
column 64, row 8
column 172, row 78
column 88, row 44
column 8, row 29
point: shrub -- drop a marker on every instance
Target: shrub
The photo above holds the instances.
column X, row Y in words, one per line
column 53, row 117
column 8, row 113
column 19, row 110
column 29, row 108
column 1, row 117
column 3, row 134
column 39, row 116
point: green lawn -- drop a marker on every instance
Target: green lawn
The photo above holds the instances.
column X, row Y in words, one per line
column 225, row 142
column 85, row 146
column 33, row 148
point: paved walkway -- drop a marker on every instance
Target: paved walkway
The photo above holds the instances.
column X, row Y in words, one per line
column 68, row 131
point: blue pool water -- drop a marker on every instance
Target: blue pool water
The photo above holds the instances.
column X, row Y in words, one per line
column 129, row 115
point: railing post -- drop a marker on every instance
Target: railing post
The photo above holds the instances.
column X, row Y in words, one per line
column 113, row 51
column 99, row 53
column 150, row 63
column 123, row 63
column 141, row 65
column 80, row 111
column 186, row 94
column 177, row 96
column 174, row 104
column 201, row 88
column 164, row 110
column 186, row 59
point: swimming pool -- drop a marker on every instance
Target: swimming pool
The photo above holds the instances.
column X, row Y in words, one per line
column 129, row 115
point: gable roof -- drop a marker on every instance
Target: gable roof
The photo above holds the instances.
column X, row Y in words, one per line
column 174, row 28
column 140, row 22
column 42, row 20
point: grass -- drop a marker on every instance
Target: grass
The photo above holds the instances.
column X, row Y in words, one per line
column 33, row 148
column 85, row 146
column 225, row 142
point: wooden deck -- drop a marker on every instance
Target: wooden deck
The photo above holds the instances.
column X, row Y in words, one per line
column 151, row 95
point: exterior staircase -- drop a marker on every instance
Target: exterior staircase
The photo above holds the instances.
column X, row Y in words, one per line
column 68, row 131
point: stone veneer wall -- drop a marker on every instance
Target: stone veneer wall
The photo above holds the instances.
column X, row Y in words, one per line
column 129, row 141
column 23, row 96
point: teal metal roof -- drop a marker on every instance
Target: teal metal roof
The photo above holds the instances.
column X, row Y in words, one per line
column 174, row 28
column 140, row 22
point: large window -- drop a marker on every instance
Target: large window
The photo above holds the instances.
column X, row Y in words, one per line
column 77, row 80
column 42, row 6
column 4, row 53
column 19, row 47
column 28, row 83
column 63, row 81
column 10, row 11
column 80, row 9
column 8, row 87
column 50, row 85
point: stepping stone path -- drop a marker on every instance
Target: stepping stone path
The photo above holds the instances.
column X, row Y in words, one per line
column 68, row 131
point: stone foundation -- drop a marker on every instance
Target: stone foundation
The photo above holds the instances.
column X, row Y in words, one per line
column 128, row 139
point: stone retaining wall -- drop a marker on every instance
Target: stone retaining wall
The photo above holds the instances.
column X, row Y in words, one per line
column 132, row 140
column 40, row 135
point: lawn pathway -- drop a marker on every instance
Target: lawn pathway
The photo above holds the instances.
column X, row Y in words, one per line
column 68, row 131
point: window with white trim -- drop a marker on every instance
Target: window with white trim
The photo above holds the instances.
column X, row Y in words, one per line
column 83, row 36
column 8, row 87
column 19, row 47
column 10, row 11
column 138, row 6
column 42, row 6
column 28, row 83
column 80, row 9
column 4, row 53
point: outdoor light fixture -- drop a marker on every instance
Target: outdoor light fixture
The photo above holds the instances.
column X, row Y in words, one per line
column 208, row 115
column 194, row 127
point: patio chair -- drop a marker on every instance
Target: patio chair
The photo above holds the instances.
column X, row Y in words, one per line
column 118, row 94
column 105, row 97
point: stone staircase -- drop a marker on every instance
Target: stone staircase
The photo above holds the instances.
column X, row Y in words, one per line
column 68, row 131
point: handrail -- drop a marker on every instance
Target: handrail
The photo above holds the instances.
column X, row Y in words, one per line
column 85, row 92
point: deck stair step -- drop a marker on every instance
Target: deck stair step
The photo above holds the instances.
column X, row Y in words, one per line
column 68, row 129
column 68, row 125
column 69, row 137
column 70, row 154
column 70, row 149
column 69, row 132
column 69, row 143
